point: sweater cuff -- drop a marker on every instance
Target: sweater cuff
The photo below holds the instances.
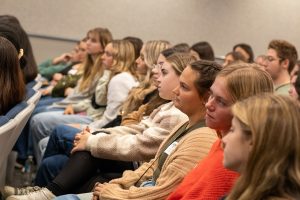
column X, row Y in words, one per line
column 93, row 140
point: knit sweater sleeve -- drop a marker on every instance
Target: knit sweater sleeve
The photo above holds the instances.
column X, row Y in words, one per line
column 136, row 142
column 191, row 148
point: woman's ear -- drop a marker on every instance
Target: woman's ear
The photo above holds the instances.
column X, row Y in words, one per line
column 21, row 53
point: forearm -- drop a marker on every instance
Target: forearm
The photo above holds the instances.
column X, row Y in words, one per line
column 127, row 147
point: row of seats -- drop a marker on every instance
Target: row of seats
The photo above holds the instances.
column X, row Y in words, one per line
column 12, row 123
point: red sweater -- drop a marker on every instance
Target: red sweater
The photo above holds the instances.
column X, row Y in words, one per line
column 209, row 180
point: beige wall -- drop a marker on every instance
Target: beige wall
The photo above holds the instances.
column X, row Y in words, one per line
column 45, row 49
column 223, row 23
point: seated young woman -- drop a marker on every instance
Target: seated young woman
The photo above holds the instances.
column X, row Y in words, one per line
column 188, row 143
column 11, row 77
column 57, row 153
column 92, row 70
column 209, row 179
column 263, row 146
column 142, row 140
column 118, row 60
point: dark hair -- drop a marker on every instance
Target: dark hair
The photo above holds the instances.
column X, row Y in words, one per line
column 237, row 56
column 11, row 78
column 181, row 47
column 167, row 52
column 207, row 72
column 204, row 50
column 285, row 50
column 170, row 51
column 137, row 44
column 17, row 35
column 248, row 49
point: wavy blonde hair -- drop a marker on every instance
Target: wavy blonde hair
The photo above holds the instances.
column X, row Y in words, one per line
column 273, row 168
column 93, row 68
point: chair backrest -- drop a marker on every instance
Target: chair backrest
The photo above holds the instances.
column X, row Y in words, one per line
column 9, row 132
column 14, row 111
column 21, row 120
column 34, row 98
column 35, row 84
column 6, row 131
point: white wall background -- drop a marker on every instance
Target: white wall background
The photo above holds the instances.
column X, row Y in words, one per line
column 223, row 23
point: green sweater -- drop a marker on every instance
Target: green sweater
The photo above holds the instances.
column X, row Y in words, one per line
column 47, row 69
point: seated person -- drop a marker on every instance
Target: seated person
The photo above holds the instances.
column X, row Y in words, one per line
column 11, row 76
column 263, row 147
column 209, row 179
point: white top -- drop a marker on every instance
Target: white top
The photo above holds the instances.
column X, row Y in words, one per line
column 118, row 89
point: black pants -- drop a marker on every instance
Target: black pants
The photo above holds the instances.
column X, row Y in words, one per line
column 83, row 170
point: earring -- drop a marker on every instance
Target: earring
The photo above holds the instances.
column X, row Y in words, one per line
column 21, row 53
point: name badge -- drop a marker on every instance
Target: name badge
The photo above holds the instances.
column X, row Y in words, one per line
column 171, row 148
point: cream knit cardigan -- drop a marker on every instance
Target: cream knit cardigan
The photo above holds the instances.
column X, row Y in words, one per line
column 192, row 148
column 136, row 142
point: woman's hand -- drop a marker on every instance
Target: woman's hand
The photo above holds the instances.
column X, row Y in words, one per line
column 69, row 110
column 97, row 191
column 81, row 140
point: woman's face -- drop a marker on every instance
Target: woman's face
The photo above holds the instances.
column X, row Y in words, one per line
column 237, row 147
column 141, row 65
column 167, row 81
column 80, row 52
column 292, row 91
column 218, row 113
column 93, row 44
column 228, row 60
column 187, row 98
column 107, row 57
column 156, row 70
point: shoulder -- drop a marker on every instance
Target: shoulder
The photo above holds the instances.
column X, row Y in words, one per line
column 124, row 77
column 201, row 136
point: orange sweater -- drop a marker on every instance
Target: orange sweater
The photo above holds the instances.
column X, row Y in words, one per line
column 209, row 180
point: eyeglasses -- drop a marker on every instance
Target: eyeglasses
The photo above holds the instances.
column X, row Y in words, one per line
column 158, row 65
column 271, row 59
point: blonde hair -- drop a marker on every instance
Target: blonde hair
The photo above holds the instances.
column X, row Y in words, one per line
column 179, row 61
column 152, row 50
column 93, row 68
column 123, row 57
column 273, row 168
column 136, row 96
column 244, row 80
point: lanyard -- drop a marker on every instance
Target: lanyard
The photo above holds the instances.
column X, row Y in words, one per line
column 171, row 144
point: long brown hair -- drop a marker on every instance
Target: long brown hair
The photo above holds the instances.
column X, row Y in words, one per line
column 273, row 168
column 93, row 68
column 11, row 77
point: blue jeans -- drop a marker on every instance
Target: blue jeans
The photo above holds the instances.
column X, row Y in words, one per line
column 83, row 196
column 67, row 197
column 56, row 154
column 24, row 143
